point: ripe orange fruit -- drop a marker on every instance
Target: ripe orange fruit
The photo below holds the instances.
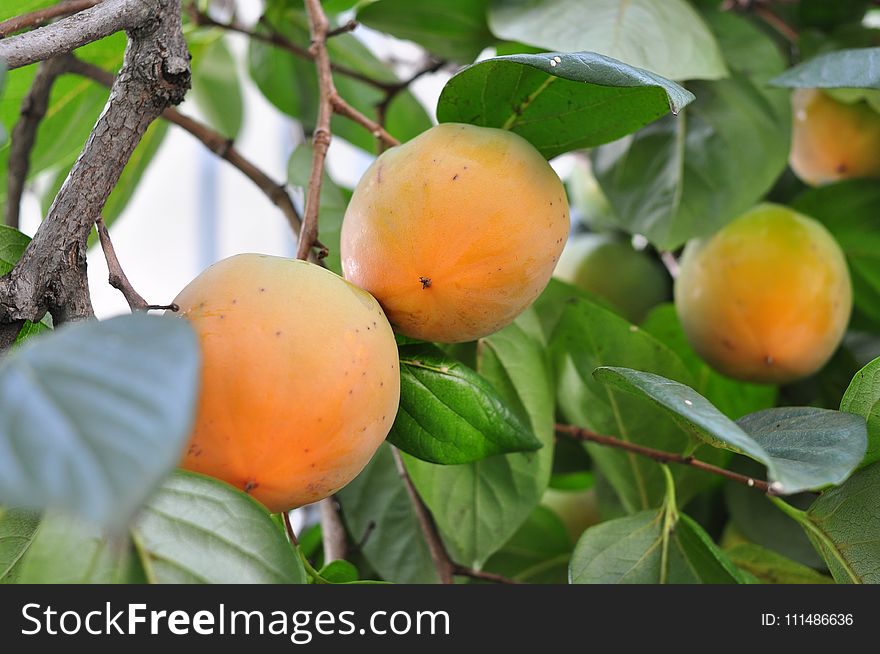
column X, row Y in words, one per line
column 455, row 232
column 767, row 298
column 299, row 382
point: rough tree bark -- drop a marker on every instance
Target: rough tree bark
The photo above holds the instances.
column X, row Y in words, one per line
column 51, row 274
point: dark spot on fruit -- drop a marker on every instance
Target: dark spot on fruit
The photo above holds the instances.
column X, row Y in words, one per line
column 250, row 485
column 425, row 282
column 234, row 301
column 454, row 177
column 262, row 290
column 351, row 391
column 841, row 168
column 306, row 450
column 222, row 317
column 277, row 333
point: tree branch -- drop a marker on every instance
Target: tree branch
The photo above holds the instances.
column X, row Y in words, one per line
column 119, row 280
column 579, row 433
column 42, row 16
column 69, row 33
column 51, row 274
column 332, row 531
column 24, row 133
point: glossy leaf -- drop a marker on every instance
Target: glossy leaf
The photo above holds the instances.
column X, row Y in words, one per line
column 559, row 101
column 681, row 46
column 863, row 398
column 853, row 68
column 66, row 401
column 449, row 414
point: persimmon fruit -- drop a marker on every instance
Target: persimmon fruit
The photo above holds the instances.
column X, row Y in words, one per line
column 299, row 383
column 833, row 140
column 629, row 280
column 767, row 298
column 455, row 232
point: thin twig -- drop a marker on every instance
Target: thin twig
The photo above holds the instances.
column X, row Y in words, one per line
column 579, row 433
column 288, row 529
column 119, row 280
column 43, row 16
column 442, row 563
column 350, row 26
column 332, row 531
column 24, row 134
column 482, row 575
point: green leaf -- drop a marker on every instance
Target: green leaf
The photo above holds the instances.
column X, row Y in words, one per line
column 452, row 29
column 559, row 101
column 853, row 68
column 479, row 506
column 844, row 524
column 679, row 179
column 216, row 88
column 681, row 46
column 12, row 246
column 588, row 336
column 851, row 212
column 449, row 414
column 23, row 7
column 862, row 397
column 17, row 529
column 733, row 398
column 378, row 512
column 769, row 567
column 339, row 572
column 332, row 203
column 200, row 530
column 538, row 553
column 64, row 550
column 803, row 447
column 648, row 548
column 67, row 400
column 746, row 47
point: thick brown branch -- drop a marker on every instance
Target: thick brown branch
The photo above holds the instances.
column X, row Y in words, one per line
column 332, row 531
column 582, row 434
column 442, row 563
column 51, row 274
column 24, row 134
column 69, row 33
column 43, row 16
column 117, row 277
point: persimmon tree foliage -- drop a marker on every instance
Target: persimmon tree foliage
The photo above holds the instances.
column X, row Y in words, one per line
column 716, row 164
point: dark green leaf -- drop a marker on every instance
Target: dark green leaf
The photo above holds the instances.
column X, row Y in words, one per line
column 95, row 414
column 379, row 514
column 649, row 548
column 770, row 567
column 863, row 398
column 851, row 212
column 847, row 527
column 332, row 204
column 538, row 552
column 559, row 101
column 734, row 398
column 855, row 68
column 216, row 88
column 200, row 530
column 17, row 529
column 452, row 29
column 479, row 506
column 588, row 336
column 339, row 572
column 681, row 46
column 747, row 48
column 449, row 414
column 802, row 447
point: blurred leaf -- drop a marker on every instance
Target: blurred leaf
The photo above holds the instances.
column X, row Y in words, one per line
column 846, row 527
column 65, row 400
column 851, row 212
column 559, row 101
column 681, row 46
column 452, row 29
column 200, row 530
column 678, row 179
column 377, row 510
column 802, row 447
column 853, row 68
column 23, row 7
column 538, row 553
column 770, row 567
column 449, row 414
column 17, row 529
column 824, row 14
column 553, row 300
column 216, row 88
column 588, row 336
column 747, row 48
column 863, row 398
column 332, row 203
column 650, row 547
column 479, row 506
column 339, row 572
column 733, row 398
